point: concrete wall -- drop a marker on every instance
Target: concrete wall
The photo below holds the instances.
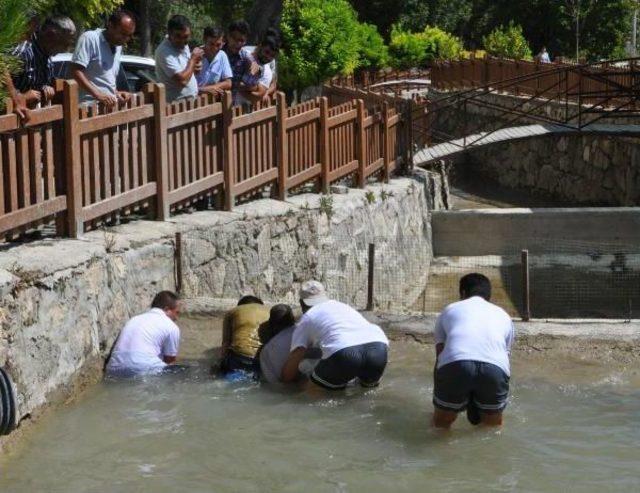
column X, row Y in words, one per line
column 63, row 301
column 588, row 169
column 508, row 231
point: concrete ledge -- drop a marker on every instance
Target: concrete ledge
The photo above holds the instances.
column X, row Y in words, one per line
column 507, row 231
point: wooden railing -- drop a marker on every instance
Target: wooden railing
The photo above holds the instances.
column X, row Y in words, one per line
column 81, row 166
column 608, row 83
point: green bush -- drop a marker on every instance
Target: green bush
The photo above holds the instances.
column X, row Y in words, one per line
column 373, row 52
column 507, row 42
column 321, row 38
column 407, row 49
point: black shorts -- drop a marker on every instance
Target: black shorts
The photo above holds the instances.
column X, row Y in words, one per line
column 458, row 382
column 366, row 362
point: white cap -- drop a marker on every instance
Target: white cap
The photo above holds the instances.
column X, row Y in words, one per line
column 312, row 293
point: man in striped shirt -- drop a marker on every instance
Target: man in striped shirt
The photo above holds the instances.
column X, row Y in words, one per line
column 35, row 81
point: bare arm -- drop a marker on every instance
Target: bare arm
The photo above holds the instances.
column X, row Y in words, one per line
column 290, row 369
column 218, row 88
column 439, row 349
column 77, row 71
column 19, row 103
column 184, row 77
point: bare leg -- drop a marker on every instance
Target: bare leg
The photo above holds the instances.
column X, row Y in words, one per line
column 443, row 419
column 491, row 419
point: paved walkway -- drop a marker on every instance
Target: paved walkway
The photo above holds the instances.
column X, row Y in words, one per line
column 457, row 146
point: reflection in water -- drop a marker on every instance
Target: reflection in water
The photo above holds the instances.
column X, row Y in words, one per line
column 188, row 432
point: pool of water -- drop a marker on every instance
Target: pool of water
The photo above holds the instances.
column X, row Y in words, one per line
column 563, row 430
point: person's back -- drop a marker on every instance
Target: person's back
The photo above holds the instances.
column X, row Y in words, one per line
column 245, row 321
column 148, row 341
column 475, row 329
column 143, row 342
column 274, row 354
column 333, row 325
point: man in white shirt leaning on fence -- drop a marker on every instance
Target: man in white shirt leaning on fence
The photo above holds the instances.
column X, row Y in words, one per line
column 95, row 64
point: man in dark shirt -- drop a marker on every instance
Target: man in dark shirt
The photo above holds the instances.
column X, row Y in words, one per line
column 239, row 58
column 35, row 81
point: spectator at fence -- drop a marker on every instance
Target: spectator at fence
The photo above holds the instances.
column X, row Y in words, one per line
column 149, row 342
column 216, row 73
column 240, row 340
column 352, row 348
column 473, row 340
column 239, row 59
column 254, row 87
column 176, row 65
column 34, row 82
column 95, row 64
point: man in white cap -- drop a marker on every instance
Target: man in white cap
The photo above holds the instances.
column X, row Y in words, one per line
column 352, row 348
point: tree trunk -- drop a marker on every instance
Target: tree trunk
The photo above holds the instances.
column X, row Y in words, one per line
column 145, row 28
column 262, row 15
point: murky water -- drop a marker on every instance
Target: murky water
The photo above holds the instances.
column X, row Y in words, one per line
column 189, row 433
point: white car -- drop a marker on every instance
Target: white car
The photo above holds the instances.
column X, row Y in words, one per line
column 137, row 71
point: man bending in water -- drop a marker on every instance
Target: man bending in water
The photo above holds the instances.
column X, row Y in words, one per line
column 473, row 341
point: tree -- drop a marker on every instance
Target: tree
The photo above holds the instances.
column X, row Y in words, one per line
column 86, row 14
column 373, row 52
column 321, row 38
column 578, row 10
column 13, row 25
column 507, row 42
column 408, row 49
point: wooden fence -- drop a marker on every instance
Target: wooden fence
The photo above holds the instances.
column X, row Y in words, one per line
column 589, row 84
column 82, row 166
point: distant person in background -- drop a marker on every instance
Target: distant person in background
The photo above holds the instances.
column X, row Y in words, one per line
column 473, row 341
column 34, row 81
column 176, row 65
column 254, row 87
column 149, row 342
column 216, row 73
column 352, row 348
column 240, row 340
column 96, row 61
column 543, row 56
column 273, row 87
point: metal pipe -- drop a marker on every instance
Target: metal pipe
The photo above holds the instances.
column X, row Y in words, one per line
column 178, row 262
column 526, row 294
column 372, row 260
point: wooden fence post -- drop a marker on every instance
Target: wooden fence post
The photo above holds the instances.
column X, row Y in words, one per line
column 229, row 163
column 73, row 159
column 324, row 144
column 282, row 151
column 160, row 147
column 386, row 154
column 361, row 143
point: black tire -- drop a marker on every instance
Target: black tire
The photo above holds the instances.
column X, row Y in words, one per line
column 11, row 421
column 5, row 404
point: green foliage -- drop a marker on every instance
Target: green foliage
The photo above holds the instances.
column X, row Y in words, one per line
column 507, row 42
column 13, row 25
column 409, row 49
column 323, row 38
column 85, row 13
column 373, row 52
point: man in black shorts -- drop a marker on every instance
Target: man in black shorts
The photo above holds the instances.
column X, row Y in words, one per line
column 352, row 348
column 473, row 341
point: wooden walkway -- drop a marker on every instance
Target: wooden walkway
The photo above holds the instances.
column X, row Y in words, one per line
column 451, row 148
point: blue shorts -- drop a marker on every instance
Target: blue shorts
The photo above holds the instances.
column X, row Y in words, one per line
column 366, row 362
column 456, row 383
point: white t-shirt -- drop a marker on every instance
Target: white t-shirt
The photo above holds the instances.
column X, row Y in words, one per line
column 143, row 342
column 274, row 355
column 333, row 326
column 100, row 60
column 476, row 330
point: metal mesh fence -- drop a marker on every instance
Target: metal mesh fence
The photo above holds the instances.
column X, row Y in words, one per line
column 271, row 257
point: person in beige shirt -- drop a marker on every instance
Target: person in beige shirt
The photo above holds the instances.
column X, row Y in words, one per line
column 240, row 339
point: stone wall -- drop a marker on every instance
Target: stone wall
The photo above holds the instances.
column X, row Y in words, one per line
column 63, row 301
column 578, row 169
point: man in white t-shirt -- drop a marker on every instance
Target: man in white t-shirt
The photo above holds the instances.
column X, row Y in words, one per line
column 95, row 64
column 352, row 348
column 150, row 341
column 253, row 88
column 473, row 341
